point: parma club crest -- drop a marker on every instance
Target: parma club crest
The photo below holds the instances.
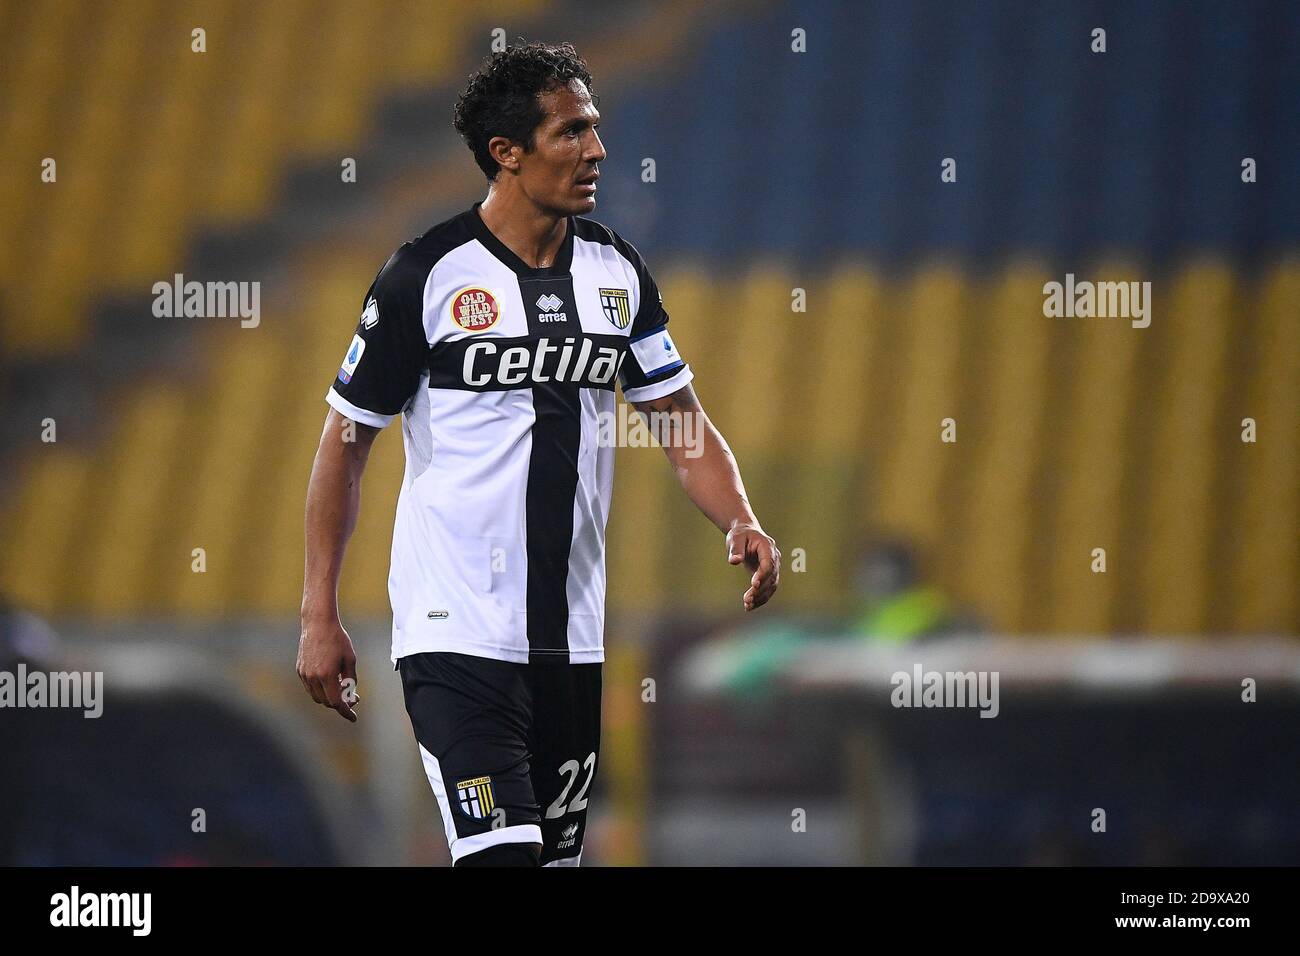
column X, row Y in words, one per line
column 476, row 797
column 615, row 304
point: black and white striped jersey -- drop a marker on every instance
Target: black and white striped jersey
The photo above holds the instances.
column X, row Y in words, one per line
column 503, row 374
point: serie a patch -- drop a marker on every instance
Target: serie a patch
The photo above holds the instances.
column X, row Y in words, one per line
column 655, row 352
column 476, row 797
column 352, row 359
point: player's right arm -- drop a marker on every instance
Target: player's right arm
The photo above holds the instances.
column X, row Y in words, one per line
column 325, row 654
column 380, row 372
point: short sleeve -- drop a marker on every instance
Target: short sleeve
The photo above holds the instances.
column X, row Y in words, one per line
column 653, row 367
column 389, row 352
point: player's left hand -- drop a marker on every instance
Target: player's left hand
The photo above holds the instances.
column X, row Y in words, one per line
column 760, row 554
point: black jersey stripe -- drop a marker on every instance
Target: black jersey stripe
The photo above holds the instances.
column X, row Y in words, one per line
column 552, row 486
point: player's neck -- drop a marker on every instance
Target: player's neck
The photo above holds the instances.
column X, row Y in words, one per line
column 532, row 234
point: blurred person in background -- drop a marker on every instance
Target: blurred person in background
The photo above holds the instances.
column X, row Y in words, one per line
column 896, row 605
column 892, row 604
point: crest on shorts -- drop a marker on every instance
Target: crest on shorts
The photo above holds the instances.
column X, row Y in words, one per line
column 615, row 304
column 476, row 796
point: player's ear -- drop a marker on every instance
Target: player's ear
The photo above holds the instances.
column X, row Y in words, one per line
column 505, row 152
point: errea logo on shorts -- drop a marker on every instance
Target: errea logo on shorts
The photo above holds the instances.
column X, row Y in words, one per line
column 568, row 837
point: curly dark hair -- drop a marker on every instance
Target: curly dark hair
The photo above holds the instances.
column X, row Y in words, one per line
column 501, row 99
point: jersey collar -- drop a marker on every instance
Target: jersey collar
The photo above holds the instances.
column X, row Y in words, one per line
column 563, row 258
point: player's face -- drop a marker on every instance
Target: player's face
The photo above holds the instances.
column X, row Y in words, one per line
column 560, row 173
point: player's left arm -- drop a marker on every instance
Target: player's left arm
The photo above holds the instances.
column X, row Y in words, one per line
column 711, row 478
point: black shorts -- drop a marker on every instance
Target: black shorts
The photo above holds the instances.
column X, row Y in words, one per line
column 510, row 749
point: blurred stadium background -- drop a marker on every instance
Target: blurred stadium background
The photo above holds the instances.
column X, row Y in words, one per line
column 774, row 171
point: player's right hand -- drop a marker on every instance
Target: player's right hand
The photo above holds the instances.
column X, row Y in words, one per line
column 325, row 661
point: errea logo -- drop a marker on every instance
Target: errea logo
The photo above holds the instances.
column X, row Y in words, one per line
column 568, row 837
column 370, row 317
column 550, row 304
